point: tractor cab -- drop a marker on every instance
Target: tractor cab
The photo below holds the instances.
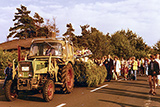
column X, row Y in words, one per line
column 46, row 49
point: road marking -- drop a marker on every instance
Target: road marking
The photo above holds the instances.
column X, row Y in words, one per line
column 63, row 104
column 148, row 102
column 121, row 79
column 98, row 88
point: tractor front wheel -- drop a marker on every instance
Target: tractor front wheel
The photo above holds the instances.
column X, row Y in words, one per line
column 48, row 90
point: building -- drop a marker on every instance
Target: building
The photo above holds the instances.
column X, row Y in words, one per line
column 23, row 43
column 13, row 44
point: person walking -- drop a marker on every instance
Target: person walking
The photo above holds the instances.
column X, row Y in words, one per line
column 135, row 67
column 158, row 60
column 142, row 66
column 122, row 65
column 103, row 60
column 129, row 68
column 153, row 71
column 8, row 73
column 109, row 66
column 139, row 65
column 117, row 68
column 146, row 61
column 125, row 69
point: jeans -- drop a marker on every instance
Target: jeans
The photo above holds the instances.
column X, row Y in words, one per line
column 146, row 70
column 135, row 74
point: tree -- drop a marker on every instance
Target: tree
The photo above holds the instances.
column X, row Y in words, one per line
column 135, row 40
column 99, row 43
column 94, row 40
column 127, row 44
column 41, row 29
column 121, row 45
column 69, row 32
column 156, row 48
column 24, row 27
column 83, row 39
column 85, row 30
column 52, row 27
column 38, row 22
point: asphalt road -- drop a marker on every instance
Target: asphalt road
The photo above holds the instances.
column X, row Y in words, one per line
column 110, row 94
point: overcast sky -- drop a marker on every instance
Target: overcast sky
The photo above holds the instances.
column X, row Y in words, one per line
column 108, row 16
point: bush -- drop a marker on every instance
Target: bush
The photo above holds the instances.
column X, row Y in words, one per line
column 2, row 75
column 6, row 57
column 89, row 74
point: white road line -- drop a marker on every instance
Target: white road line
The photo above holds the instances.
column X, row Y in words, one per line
column 98, row 88
column 121, row 79
column 63, row 104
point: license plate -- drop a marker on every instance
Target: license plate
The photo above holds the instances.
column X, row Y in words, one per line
column 25, row 68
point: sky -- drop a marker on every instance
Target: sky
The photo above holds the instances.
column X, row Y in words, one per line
column 108, row 16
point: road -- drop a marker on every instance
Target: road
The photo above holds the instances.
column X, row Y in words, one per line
column 110, row 94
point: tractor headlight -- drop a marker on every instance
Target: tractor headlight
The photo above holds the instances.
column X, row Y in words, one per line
column 21, row 74
column 25, row 68
column 30, row 74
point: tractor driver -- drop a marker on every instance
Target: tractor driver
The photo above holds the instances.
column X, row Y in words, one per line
column 50, row 50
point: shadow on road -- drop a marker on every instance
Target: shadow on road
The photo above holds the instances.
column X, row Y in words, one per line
column 127, row 93
column 141, row 79
column 31, row 98
column 121, row 104
column 132, row 83
column 34, row 96
column 123, row 90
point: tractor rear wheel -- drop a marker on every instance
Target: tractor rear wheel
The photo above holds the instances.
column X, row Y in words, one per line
column 10, row 91
column 66, row 76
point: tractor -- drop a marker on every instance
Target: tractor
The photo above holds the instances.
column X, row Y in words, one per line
column 47, row 66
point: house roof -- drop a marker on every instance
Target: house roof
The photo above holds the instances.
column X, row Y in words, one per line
column 13, row 44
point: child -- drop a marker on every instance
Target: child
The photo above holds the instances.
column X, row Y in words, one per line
column 129, row 69
column 125, row 69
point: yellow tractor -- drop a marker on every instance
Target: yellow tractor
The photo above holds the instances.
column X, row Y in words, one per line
column 48, row 64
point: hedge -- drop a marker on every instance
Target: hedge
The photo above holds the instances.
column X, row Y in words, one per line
column 89, row 74
column 6, row 57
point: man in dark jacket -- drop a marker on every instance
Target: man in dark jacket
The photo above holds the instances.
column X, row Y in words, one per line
column 109, row 66
column 153, row 71
column 8, row 73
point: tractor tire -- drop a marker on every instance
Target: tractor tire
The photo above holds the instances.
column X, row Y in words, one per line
column 10, row 91
column 66, row 76
column 48, row 90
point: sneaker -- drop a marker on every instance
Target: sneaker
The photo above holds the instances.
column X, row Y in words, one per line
column 154, row 93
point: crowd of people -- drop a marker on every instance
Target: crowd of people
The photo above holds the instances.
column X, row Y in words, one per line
column 129, row 69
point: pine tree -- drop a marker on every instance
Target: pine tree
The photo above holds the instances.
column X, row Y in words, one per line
column 41, row 29
column 52, row 27
column 69, row 32
column 24, row 26
column 38, row 22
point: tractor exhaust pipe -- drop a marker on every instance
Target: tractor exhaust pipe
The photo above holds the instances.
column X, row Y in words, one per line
column 19, row 53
